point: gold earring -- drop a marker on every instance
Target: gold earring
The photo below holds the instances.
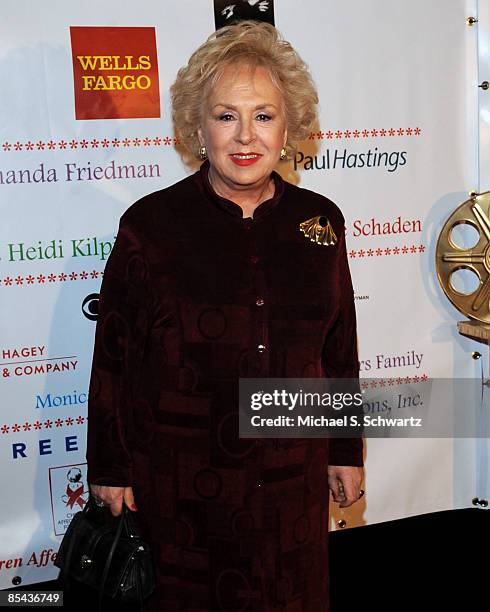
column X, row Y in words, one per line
column 203, row 154
column 284, row 153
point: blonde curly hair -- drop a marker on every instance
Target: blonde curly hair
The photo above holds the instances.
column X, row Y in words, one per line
column 253, row 43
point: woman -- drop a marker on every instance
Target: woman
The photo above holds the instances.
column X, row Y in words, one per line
column 211, row 280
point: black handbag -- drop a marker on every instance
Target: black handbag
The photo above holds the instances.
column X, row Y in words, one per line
column 111, row 559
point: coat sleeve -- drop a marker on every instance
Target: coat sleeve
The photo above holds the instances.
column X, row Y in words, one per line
column 340, row 357
column 119, row 345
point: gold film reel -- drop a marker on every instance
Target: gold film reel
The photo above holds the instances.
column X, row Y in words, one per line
column 451, row 257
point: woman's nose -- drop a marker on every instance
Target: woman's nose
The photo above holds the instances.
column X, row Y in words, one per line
column 245, row 132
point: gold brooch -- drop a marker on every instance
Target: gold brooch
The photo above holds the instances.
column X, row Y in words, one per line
column 319, row 230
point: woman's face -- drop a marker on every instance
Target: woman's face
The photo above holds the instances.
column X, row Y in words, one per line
column 243, row 128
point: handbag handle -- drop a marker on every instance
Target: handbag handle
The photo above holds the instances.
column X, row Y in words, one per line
column 107, row 565
column 126, row 521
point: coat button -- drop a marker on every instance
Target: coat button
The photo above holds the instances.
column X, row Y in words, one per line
column 259, row 301
column 261, row 348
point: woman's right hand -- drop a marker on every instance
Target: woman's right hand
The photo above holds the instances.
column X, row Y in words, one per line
column 114, row 497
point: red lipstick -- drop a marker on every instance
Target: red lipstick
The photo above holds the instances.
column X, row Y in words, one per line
column 245, row 159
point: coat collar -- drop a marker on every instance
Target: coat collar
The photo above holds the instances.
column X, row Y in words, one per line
column 231, row 207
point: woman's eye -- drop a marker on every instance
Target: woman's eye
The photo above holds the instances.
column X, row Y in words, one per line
column 226, row 117
column 263, row 117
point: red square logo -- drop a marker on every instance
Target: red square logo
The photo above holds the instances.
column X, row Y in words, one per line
column 115, row 72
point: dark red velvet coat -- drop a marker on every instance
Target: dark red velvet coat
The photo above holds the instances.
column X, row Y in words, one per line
column 234, row 524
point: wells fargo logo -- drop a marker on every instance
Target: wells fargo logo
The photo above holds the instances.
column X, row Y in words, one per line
column 115, row 72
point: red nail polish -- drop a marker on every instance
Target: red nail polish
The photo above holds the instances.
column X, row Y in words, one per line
column 133, row 507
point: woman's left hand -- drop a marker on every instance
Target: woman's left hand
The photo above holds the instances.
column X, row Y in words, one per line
column 345, row 483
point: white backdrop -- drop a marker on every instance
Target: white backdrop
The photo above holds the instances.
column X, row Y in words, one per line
column 402, row 139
